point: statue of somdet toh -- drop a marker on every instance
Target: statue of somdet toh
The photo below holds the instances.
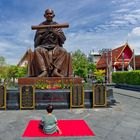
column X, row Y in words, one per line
column 49, row 58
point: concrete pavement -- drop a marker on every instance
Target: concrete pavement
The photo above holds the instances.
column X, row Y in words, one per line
column 130, row 93
column 118, row 122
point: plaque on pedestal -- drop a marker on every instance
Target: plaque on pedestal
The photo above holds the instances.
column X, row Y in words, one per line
column 76, row 96
column 27, row 97
column 99, row 95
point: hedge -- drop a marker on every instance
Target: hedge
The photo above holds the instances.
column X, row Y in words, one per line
column 126, row 77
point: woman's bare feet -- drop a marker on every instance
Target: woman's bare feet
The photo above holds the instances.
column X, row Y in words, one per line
column 59, row 131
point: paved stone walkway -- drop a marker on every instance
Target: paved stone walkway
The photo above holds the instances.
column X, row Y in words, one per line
column 129, row 93
column 119, row 122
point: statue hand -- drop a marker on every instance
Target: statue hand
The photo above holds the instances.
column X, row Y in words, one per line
column 55, row 31
column 50, row 29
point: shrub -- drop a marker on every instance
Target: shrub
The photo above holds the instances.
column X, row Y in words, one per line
column 126, row 77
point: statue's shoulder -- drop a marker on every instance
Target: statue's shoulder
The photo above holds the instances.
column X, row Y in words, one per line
column 43, row 23
column 47, row 23
column 55, row 22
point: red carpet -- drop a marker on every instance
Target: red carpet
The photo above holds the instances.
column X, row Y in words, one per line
column 68, row 128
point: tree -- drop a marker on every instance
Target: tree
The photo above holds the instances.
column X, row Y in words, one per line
column 12, row 72
column 3, row 68
column 4, row 73
column 81, row 66
column 22, row 72
column 8, row 72
column 2, row 61
column 91, row 68
column 16, row 72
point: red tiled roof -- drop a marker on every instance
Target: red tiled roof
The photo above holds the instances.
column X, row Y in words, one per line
column 116, row 56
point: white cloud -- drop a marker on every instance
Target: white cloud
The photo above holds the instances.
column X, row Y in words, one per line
column 122, row 10
column 135, row 32
column 124, row 14
column 87, row 41
column 15, row 39
column 11, row 51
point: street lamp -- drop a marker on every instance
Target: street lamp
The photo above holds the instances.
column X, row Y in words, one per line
column 134, row 61
column 123, row 61
column 108, row 58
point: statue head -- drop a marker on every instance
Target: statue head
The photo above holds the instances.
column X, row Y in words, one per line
column 49, row 14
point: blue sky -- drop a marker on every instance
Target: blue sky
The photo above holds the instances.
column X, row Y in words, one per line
column 94, row 24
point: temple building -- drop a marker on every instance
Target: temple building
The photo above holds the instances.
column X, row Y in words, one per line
column 25, row 58
column 118, row 59
column 135, row 63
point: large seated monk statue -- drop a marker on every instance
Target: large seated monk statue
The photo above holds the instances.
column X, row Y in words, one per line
column 49, row 58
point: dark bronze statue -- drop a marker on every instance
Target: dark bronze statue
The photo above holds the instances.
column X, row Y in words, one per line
column 50, row 59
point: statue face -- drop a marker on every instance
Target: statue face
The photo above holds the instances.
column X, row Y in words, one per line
column 49, row 15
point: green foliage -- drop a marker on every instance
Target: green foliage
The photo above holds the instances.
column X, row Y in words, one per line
column 22, row 72
column 12, row 71
column 9, row 73
column 3, row 72
column 2, row 61
column 127, row 77
column 47, row 85
column 99, row 75
column 91, row 67
column 80, row 64
column 16, row 71
column 3, row 68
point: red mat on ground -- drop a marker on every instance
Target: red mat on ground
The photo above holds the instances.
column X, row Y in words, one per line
column 68, row 128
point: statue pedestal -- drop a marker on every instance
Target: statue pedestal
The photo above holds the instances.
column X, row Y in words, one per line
column 50, row 80
column 60, row 98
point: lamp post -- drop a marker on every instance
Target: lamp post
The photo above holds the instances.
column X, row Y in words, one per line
column 123, row 61
column 108, row 58
column 111, row 69
column 134, row 62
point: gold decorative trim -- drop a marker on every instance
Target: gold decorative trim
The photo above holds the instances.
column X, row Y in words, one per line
column 4, row 99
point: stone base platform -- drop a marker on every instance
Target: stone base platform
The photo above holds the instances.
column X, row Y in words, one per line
column 59, row 98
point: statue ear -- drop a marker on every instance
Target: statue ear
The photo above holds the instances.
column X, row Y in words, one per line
column 44, row 15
